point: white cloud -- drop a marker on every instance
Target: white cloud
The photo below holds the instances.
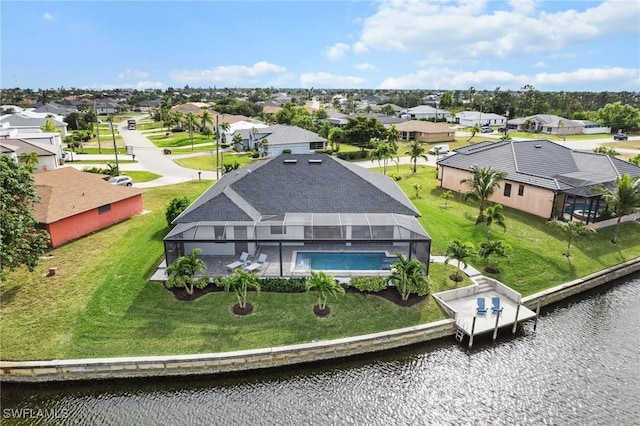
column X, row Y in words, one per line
column 133, row 74
column 47, row 16
column 336, row 52
column 611, row 77
column 426, row 27
column 141, row 85
column 232, row 75
column 365, row 67
column 330, row 81
column 539, row 64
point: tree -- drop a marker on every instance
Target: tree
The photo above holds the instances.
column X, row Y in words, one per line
column 635, row 160
column 393, row 136
column 446, row 196
column 382, row 151
column 21, row 243
column 474, row 129
column 240, row 282
column 415, row 150
column 360, row 131
column 325, row 285
column 49, row 127
column 459, row 252
column 611, row 152
column 30, row 160
column 191, row 121
column 408, row 277
column 182, row 272
column 335, row 137
column 388, row 110
column 617, row 116
column 493, row 214
column 482, row 184
column 571, row 230
column 417, row 186
column 624, row 198
column 175, row 207
column 206, row 120
column 491, row 251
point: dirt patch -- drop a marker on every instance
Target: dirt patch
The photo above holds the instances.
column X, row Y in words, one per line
column 237, row 310
column 181, row 293
column 456, row 278
column 321, row 312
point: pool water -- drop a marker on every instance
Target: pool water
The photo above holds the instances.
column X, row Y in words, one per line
column 343, row 261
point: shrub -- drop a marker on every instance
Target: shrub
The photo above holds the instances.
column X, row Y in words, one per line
column 284, row 285
column 421, row 287
column 175, row 207
column 353, row 155
column 372, row 284
column 324, row 151
column 395, row 177
column 286, row 151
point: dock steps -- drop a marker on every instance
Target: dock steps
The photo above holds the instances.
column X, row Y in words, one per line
column 459, row 335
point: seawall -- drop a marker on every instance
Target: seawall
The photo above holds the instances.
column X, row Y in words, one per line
column 225, row 362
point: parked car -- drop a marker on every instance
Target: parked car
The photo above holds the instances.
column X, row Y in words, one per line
column 121, row 181
column 177, row 129
column 486, row 129
column 439, row 149
column 502, row 129
column 620, row 137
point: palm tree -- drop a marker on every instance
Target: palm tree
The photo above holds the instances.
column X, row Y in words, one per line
column 571, row 230
column 459, row 252
column 382, row 152
column 325, row 285
column 240, row 282
column 30, row 160
column 183, row 271
column 206, row 120
column 482, row 185
column 474, row 129
column 490, row 251
column 446, row 196
column 415, row 150
column 624, row 198
column 393, row 136
column 417, row 186
column 408, row 275
column 493, row 214
column 191, row 121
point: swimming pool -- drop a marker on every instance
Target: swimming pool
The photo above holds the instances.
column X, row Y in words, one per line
column 342, row 261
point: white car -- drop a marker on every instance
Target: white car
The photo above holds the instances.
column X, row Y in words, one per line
column 121, row 180
column 439, row 149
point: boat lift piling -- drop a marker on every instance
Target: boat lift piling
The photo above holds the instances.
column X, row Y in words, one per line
column 515, row 322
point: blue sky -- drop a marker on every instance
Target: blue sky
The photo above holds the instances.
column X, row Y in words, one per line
column 551, row 45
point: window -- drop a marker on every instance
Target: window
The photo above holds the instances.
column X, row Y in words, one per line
column 277, row 230
column 316, row 145
column 507, row 190
column 520, row 190
column 104, row 209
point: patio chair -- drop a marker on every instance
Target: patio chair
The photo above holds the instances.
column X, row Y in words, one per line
column 481, row 309
column 241, row 261
column 257, row 264
column 496, row 306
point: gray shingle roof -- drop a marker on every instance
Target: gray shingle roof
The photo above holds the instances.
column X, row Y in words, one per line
column 272, row 187
column 542, row 163
column 281, row 134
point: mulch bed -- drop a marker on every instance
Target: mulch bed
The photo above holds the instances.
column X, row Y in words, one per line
column 237, row 310
column 391, row 294
column 321, row 312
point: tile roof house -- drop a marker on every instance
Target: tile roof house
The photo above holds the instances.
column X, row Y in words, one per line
column 425, row 131
column 31, row 122
column 298, row 202
column 74, row 203
column 543, row 178
column 478, row 118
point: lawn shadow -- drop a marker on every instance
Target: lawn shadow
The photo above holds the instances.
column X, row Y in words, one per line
column 8, row 295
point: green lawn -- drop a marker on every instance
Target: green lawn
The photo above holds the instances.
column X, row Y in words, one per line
column 208, row 162
column 101, row 303
column 179, row 139
column 141, row 176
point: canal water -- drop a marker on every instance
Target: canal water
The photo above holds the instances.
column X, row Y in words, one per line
column 580, row 367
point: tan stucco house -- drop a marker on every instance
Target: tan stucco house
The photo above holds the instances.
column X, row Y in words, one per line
column 425, row 131
column 541, row 176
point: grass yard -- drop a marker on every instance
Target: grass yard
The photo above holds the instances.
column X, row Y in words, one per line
column 208, row 162
column 101, row 303
column 141, row 176
column 179, row 139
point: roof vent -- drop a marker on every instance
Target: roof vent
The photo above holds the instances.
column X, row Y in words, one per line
column 290, row 161
column 315, row 161
column 538, row 146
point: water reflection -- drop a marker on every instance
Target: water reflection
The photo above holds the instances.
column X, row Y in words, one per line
column 581, row 366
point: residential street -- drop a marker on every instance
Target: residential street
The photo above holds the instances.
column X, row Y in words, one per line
column 150, row 158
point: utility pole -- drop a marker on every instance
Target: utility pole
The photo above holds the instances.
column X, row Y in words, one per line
column 115, row 149
column 217, row 147
column 95, row 110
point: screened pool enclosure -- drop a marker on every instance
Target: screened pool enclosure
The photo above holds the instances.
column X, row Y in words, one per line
column 282, row 237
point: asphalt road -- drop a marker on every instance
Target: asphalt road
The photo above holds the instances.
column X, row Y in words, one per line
column 151, row 158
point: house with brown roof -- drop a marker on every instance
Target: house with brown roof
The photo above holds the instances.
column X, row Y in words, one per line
column 48, row 155
column 74, row 203
column 425, row 131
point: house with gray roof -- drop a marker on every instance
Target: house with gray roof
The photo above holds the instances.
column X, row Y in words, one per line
column 273, row 140
column 297, row 203
column 546, row 123
column 55, row 108
column 26, row 122
column 426, row 112
column 49, row 156
column 479, row 118
column 543, row 178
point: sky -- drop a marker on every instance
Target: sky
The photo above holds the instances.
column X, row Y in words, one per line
column 445, row 45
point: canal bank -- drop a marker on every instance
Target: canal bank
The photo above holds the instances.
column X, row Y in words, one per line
column 216, row 363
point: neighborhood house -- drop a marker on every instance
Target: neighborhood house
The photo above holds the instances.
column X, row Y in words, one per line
column 294, row 209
